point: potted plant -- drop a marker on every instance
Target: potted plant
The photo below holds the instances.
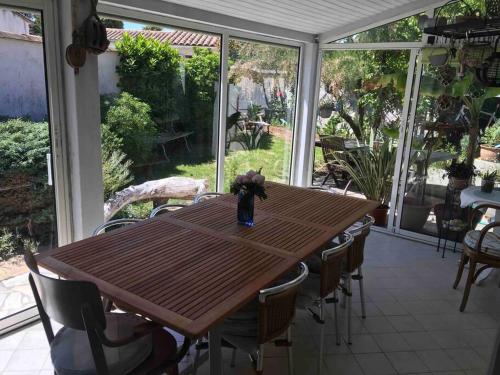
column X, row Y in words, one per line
column 490, row 142
column 459, row 174
column 372, row 171
column 488, row 181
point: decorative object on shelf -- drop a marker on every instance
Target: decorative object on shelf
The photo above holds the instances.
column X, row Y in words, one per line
column 488, row 181
column 446, row 74
column 90, row 37
column 472, row 55
column 459, row 174
column 489, row 72
column 444, row 103
column 246, row 187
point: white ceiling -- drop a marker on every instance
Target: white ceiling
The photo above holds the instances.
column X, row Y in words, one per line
column 310, row 16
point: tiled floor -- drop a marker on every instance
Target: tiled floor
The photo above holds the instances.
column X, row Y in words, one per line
column 413, row 324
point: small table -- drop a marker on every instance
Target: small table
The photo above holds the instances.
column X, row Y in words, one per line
column 472, row 196
column 192, row 268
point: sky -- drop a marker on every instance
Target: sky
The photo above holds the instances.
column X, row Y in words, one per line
column 127, row 25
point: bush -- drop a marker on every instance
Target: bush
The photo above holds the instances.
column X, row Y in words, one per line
column 115, row 171
column 491, row 135
column 129, row 119
column 149, row 70
column 8, row 244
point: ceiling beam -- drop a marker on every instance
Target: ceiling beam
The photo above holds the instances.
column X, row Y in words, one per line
column 206, row 17
column 379, row 19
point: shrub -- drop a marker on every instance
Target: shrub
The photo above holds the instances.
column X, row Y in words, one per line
column 491, row 135
column 115, row 171
column 8, row 244
column 149, row 70
column 129, row 119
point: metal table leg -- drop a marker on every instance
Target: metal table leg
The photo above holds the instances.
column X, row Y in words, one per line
column 215, row 351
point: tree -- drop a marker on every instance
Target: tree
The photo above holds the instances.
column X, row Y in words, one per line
column 152, row 28
column 149, row 70
column 112, row 23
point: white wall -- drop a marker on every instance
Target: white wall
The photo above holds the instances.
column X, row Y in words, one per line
column 108, row 78
column 13, row 23
column 22, row 79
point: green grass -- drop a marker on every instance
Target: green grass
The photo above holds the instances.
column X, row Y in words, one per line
column 274, row 161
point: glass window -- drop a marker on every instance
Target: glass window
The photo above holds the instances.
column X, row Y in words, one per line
column 261, row 109
column 405, row 30
column 159, row 109
column 27, row 202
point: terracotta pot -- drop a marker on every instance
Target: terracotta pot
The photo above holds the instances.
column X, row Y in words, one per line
column 458, row 183
column 490, row 154
column 380, row 216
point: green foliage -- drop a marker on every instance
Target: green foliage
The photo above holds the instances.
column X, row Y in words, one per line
column 371, row 170
column 152, row 28
column 491, row 135
column 149, row 70
column 129, row 119
column 253, row 111
column 24, row 146
column 8, row 244
column 115, row 170
column 112, row 23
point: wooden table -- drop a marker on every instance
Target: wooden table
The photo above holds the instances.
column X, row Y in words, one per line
column 190, row 269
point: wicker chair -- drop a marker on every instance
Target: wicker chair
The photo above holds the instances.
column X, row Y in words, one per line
column 329, row 146
column 164, row 208
column 204, row 196
column 353, row 263
column 94, row 342
column 265, row 319
column 480, row 247
column 325, row 271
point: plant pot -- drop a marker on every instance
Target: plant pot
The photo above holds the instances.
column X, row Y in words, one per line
column 489, row 153
column 458, row 183
column 245, row 209
column 380, row 216
column 415, row 214
column 325, row 112
column 487, row 186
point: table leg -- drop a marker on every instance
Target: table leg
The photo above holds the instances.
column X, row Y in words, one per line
column 215, row 351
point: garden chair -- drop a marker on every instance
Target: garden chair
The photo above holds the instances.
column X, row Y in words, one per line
column 325, row 271
column 164, row 208
column 94, row 342
column 353, row 263
column 204, row 196
column 480, row 247
column 265, row 319
column 329, row 146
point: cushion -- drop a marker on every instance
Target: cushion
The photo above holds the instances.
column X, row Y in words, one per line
column 240, row 329
column 490, row 245
column 71, row 353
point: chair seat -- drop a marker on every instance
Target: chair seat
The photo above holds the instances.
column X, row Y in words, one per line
column 490, row 245
column 71, row 354
column 240, row 329
column 455, row 225
column 309, row 291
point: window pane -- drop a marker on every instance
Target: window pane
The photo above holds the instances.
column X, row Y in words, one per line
column 159, row 109
column 405, row 30
column 27, row 203
column 360, row 110
column 261, row 109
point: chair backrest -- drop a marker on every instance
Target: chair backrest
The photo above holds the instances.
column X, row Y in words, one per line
column 63, row 300
column 204, row 196
column 114, row 224
column 355, row 254
column 475, row 217
column 331, row 264
column 331, row 144
column 164, row 208
column 277, row 307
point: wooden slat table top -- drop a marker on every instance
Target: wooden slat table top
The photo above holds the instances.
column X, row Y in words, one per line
column 191, row 268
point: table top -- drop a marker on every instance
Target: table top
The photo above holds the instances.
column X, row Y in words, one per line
column 473, row 194
column 191, row 268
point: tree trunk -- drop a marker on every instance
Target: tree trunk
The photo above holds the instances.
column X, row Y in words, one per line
column 473, row 138
column 171, row 187
column 355, row 128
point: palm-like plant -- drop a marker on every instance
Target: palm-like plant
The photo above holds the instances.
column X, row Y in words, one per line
column 371, row 170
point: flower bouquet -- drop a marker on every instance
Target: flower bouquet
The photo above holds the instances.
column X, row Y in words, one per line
column 246, row 187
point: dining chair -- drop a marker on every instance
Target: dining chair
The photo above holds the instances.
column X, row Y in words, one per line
column 94, row 342
column 329, row 146
column 479, row 247
column 353, row 263
column 164, row 208
column 265, row 319
column 114, row 224
column 204, row 196
column 325, row 270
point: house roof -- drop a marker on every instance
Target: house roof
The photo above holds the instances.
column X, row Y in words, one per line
column 176, row 38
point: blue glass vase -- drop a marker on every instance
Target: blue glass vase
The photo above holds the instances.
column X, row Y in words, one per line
column 245, row 209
